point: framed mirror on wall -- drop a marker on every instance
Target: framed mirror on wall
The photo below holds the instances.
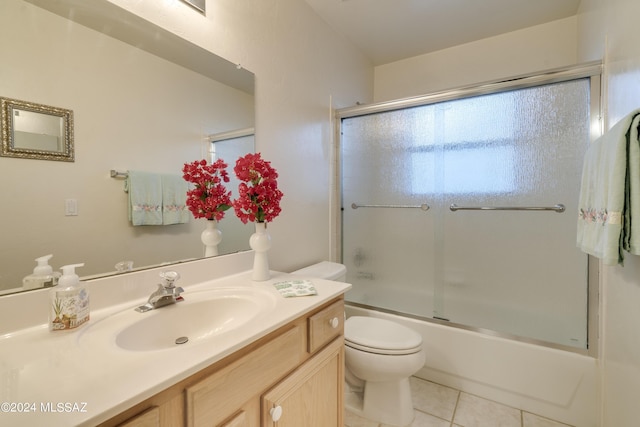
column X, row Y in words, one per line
column 36, row 131
column 141, row 99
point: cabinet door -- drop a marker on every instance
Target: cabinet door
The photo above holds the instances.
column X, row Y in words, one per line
column 312, row 396
column 149, row 418
column 215, row 398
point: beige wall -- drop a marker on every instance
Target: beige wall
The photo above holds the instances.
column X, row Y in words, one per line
column 536, row 48
column 608, row 29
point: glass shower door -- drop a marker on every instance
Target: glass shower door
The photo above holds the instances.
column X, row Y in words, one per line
column 387, row 247
column 516, row 272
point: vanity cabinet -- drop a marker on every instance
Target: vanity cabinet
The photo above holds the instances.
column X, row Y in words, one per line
column 291, row 377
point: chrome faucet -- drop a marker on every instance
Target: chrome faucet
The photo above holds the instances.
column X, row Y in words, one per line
column 167, row 292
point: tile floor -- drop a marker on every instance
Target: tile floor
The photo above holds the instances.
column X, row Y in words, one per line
column 440, row 406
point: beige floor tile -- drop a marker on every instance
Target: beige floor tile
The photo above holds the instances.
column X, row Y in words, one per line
column 532, row 420
column 433, row 398
column 473, row 411
column 426, row 420
column 353, row 420
column 436, row 405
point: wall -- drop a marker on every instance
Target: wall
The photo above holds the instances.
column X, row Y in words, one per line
column 608, row 30
column 302, row 69
column 532, row 49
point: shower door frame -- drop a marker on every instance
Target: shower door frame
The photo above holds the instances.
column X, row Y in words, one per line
column 593, row 71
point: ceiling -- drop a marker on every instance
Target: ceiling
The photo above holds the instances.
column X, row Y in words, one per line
column 391, row 30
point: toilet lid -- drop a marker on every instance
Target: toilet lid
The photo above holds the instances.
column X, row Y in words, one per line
column 380, row 336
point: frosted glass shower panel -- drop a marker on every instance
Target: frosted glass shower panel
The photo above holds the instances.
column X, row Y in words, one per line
column 519, row 272
column 515, row 272
column 386, row 248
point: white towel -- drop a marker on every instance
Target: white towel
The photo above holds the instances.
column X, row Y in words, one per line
column 174, row 200
column 610, row 194
column 145, row 198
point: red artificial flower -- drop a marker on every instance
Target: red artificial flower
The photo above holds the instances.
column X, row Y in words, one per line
column 209, row 198
column 259, row 197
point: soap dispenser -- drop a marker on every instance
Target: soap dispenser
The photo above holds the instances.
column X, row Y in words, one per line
column 69, row 301
column 42, row 275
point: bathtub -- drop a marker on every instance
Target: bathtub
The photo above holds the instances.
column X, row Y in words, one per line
column 463, row 307
column 550, row 382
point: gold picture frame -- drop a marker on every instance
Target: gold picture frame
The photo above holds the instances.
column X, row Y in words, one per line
column 36, row 131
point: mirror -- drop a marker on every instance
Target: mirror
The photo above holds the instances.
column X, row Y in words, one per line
column 142, row 99
column 199, row 5
column 35, row 131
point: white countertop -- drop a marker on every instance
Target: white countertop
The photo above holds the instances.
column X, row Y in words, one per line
column 82, row 377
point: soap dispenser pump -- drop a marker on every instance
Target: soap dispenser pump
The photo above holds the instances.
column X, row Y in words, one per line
column 69, row 301
column 42, row 275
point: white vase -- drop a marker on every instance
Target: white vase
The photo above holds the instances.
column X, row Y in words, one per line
column 260, row 242
column 211, row 237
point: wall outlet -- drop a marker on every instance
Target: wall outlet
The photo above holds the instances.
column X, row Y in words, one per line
column 70, row 207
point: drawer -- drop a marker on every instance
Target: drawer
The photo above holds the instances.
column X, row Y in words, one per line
column 325, row 325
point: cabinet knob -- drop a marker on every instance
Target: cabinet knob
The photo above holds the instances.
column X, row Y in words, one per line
column 334, row 322
column 276, row 413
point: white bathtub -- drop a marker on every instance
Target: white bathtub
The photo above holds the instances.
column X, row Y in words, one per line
column 552, row 383
column 467, row 306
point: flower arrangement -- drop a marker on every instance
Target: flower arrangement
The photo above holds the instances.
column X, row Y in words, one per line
column 209, row 198
column 259, row 196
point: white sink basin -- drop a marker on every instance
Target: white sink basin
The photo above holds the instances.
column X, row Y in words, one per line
column 201, row 316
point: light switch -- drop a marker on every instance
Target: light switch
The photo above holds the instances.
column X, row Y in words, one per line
column 70, row 207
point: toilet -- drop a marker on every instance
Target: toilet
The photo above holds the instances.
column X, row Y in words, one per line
column 380, row 356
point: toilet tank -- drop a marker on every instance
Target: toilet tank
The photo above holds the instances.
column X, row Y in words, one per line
column 324, row 270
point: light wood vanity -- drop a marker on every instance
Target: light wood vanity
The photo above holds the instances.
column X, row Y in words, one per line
column 292, row 377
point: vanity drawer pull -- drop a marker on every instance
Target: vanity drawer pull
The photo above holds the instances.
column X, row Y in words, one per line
column 334, row 322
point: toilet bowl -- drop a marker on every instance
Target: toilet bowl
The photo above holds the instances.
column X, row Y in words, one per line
column 380, row 356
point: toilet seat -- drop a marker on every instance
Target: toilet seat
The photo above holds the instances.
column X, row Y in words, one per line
column 380, row 336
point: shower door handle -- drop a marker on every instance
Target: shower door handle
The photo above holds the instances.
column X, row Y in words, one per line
column 424, row 206
column 557, row 208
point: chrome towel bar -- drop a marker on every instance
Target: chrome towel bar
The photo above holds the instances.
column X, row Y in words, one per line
column 557, row 208
column 424, row 206
column 117, row 174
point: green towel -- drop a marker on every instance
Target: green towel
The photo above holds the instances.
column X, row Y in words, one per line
column 174, row 200
column 610, row 194
column 145, row 198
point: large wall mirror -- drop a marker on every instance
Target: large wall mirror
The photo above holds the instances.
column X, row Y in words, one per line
column 142, row 99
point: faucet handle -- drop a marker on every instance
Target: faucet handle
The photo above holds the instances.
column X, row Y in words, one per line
column 168, row 278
